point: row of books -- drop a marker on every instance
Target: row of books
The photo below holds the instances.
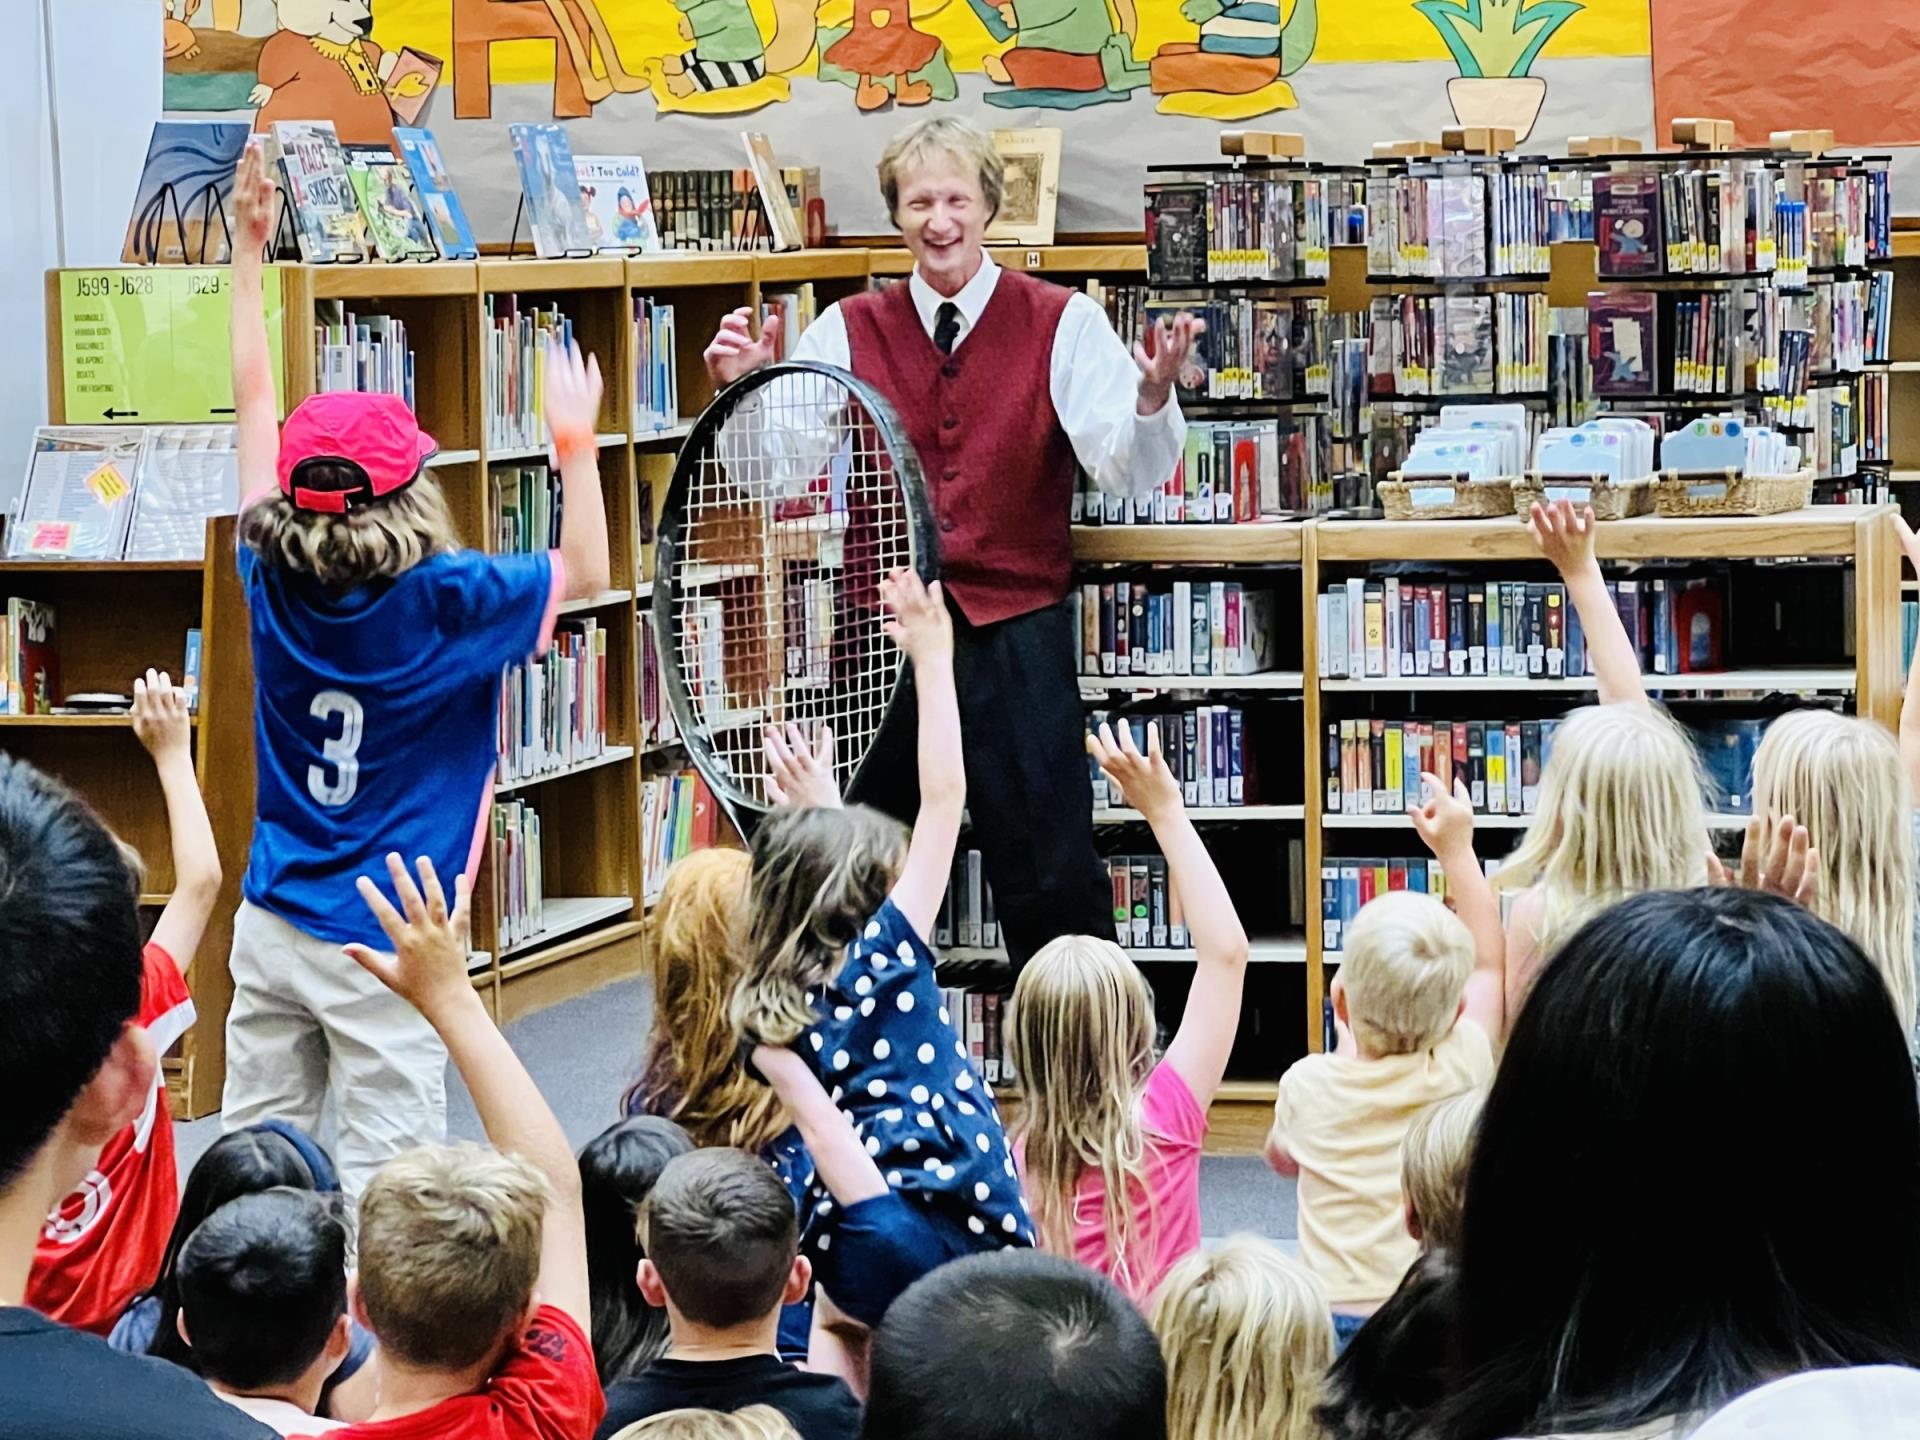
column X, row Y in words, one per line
column 1373, row 766
column 1174, row 627
column 657, row 725
column 1458, row 218
column 797, row 310
column 976, row 1016
column 1459, row 344
column 368, row 353
column 1876, row 417
column 1205, row 747
column 656, row 366
column 123, row 492
column 1147, row 913
column 1266, row 224
column 1256, row 347
column 1827, row 423
column 1231, row 472
column 553, row 711
column 1405, row 626
column 523, row 509
column 1714, row 218
column 519, row 880
column 966, row 919
column 1722, row 342
column 515, row 368
column 29, row 659
column 678, row 815
column 1348, row 884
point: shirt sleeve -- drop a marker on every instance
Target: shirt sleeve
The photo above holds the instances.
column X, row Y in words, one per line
column 1095, row 386
column 166, row 1007
column 1170, row 1108
column 825, row 341
column 495, row 610
column 546, row 1388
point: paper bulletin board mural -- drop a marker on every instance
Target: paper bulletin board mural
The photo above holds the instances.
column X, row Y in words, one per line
column 1131, row 82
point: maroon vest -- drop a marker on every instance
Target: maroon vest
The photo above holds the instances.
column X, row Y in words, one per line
column 999, row 469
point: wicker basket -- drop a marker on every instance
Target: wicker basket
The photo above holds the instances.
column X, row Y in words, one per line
column 1443, row 497
column 1611, row 499
column 1728, row 492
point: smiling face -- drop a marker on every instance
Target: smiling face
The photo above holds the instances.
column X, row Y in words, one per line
column 942, row 214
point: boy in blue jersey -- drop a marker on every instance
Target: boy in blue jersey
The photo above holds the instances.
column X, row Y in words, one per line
column 377, row 650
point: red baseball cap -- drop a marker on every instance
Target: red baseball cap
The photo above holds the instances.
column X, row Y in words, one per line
column 345, row 449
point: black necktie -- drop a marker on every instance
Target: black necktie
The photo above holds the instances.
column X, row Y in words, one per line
column 946, row 327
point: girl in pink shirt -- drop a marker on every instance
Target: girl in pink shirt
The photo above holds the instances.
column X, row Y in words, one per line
column 1108, row 1140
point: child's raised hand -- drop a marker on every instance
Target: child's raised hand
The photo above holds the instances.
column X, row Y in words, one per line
column 1145, row 781
column 253, row 197
column 1779, row 859
column 160, row 717
column 799, row 774
column 920, row 624
column 428, row 967
column 1444, row 821
column 1564, row 534
column 573, row 388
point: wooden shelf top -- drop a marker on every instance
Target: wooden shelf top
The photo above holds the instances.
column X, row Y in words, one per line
column 580, row 944
column 1836, row 678
column 101, row 567
column 1275, row 542
column 602, row 272
column 674, row 268
column 1265, row 680
column 1059, row 259
column 567, row 915
column 1817, row 530
column 797, row 265
column 78, row 722
column 381, row 282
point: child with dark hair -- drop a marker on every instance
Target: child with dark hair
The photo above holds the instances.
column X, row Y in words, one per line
column 263, row 1303
column 722, row 1258
column 618, row 1170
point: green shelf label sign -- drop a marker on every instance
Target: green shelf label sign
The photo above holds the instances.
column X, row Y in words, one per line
column 150, row 346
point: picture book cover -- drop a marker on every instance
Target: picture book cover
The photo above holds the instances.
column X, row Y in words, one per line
column 1176, row 234
column 180, row 209
column 395, row 223
column 1620, row 342
column 1030, row 186
column 782, row 223
column 551, row 188
column 327, row 218
column 411, row 82
column 33, row 686
column 619, row 210
column 446, row 220
column 1626, row 224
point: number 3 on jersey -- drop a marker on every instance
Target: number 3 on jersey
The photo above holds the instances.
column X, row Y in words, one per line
column 340, row 751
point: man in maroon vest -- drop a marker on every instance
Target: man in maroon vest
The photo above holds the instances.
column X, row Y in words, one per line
column 1002, row 382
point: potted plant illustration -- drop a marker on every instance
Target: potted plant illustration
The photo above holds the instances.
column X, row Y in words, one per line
column 1495, row 42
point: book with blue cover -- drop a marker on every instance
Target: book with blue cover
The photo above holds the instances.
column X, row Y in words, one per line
column 186, row 186
column 550, row 184
column 446, row 220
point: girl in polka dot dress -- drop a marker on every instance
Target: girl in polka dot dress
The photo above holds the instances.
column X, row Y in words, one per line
column 909, row 1163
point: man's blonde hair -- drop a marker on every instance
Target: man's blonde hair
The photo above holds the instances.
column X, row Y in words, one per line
column 754, row 1422
column 1433, row 1166
column 1247, row 1336
column 1406, row 966
column 376, row 541
column 1841, row 776
column 449, row 1252
column 941, row 135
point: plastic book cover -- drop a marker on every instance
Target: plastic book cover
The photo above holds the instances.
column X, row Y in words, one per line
column 1176, row 234
column 619, row 209
column 188, row 473
column 78, row 497
column 445, row 218
column 327, row 218
column 1272, row 349
column 1621, row 342
column 33, row 681
column 1626, row 219
column 395, row 223
column 1466, row 362
column 783, row 224
column 180, row 208
column 551, row 188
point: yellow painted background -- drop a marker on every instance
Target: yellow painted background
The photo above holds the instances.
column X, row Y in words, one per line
column 1349, row 30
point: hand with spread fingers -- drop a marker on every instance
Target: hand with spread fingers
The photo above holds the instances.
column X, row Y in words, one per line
column 428, row 967
column 800, row 774
column 1779, row 858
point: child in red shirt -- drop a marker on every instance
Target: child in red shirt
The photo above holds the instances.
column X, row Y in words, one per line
column 456, row 1240
column 103, row 1244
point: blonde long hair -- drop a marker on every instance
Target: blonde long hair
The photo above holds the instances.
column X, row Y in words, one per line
column 1080, row 1033
column 1247, row 1336
column 1843, row 779
column 1620, row 812
column 692, row 1074
column 370, row 542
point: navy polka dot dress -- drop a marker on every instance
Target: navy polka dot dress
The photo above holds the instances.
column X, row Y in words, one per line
column 886, row 1051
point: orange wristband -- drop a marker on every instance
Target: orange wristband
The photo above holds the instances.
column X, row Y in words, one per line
column 569, row 444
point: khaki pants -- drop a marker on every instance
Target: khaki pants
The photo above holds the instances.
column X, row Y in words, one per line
column 307, row 1020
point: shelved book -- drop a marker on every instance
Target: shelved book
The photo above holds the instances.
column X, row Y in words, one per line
column 657, row 725
column 328, row 225
column 966, row 920
column 619, row 208
column 1208, row 749
column 1231, row 472
column 446, row 218
column 1627, row 225
column 381, row 186
column 368, row 353
column 656, row 366
column 553, row 711
column 31, row 659
column 1373, row 766
column 783, row 226
column 515, row 362
column 977, row 1016
column 709, row 210
column 1348, row 884
column 1457, row 218
column 518, row 878
column 1174, row 627
column 523, row 509
column 1276, row 223
column 678, row 815
column 550, row 189
column 180, row 208
column 1147, row 913
column 797, row 309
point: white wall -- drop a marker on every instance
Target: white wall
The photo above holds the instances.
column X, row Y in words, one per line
column 106, row 78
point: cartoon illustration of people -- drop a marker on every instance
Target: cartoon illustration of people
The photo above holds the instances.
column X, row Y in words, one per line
column 628, row 229
column 884, row 44
column 1067, row 54
column 1238, row 66
column 727, row 48
column 320, row 66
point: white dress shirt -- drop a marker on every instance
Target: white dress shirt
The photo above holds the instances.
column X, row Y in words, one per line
column 1092, row 380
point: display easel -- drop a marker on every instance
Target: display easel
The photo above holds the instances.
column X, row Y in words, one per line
column 153, row 221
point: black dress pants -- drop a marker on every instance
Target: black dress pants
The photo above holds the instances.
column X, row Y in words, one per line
column 1029, row 793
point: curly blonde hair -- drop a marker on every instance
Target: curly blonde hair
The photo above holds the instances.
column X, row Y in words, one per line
column 692, row 1074
column 376, row 541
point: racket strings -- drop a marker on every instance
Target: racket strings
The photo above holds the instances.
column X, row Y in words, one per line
column 793, row 514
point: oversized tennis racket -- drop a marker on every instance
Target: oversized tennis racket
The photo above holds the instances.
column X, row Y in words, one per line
column 796, row 493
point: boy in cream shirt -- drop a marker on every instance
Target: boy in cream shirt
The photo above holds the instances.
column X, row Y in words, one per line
column 1408, row 1039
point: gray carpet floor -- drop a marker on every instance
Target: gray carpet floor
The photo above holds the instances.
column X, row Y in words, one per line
column 583, row 1053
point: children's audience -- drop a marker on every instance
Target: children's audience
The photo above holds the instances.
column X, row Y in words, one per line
column 1247, row 1337
column 618, row 1170
column 263, row 1304
column 1108, row 1141
column 721, row 1257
